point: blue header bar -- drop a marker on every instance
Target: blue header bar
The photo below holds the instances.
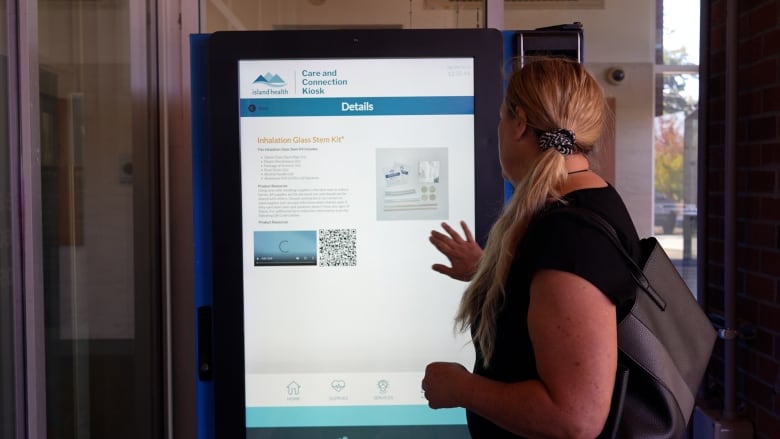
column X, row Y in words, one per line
column 357, row 106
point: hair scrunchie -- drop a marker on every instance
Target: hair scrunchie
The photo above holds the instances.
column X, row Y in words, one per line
column 562, row 140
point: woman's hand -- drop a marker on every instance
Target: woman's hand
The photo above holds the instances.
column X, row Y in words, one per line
column 463, row 254
column 444, row 383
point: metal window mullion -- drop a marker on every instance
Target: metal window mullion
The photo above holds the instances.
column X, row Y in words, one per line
column 177, row 20
column 17, row 310
column 27, row 260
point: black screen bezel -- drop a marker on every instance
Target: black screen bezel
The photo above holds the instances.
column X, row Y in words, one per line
column 225, row 49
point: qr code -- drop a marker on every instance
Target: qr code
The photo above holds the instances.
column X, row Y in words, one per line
column 337, row 248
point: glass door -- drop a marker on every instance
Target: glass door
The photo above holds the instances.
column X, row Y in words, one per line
column 100, row 219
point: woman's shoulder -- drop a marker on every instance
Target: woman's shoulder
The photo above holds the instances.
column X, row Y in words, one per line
column 607, row 203
column 592, row 194
column 603, row 200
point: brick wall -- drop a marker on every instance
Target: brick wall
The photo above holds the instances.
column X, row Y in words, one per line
column 758, row 201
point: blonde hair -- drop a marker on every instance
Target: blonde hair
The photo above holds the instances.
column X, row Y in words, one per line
column 554, row 93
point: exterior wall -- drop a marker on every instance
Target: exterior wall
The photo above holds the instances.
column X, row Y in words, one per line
column 757, row 204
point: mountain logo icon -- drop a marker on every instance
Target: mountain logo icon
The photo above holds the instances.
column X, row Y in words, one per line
column 271, row 80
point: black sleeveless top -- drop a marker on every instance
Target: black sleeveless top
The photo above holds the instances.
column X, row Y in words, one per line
column 559, row 242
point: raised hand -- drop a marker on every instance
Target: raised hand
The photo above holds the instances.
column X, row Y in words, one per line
column 463, row 254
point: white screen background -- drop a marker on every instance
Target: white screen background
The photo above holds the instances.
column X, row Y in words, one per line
column 389, row 314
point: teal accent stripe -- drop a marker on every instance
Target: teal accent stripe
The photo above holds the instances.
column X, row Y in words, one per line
column 347, row 416
column 357, row 106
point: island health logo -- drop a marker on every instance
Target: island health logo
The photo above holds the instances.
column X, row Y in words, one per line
column 269, row 84
column 271, row 80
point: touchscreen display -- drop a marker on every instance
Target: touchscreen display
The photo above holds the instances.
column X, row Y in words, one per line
column 346, row 167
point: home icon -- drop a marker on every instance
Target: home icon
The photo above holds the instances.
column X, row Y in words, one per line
column 293, row 389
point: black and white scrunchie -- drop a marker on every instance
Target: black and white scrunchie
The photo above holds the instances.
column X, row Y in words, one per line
column 562, row 140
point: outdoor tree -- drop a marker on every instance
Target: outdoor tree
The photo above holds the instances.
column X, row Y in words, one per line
column 669, row 128
column 668, row 133
column 675, row 98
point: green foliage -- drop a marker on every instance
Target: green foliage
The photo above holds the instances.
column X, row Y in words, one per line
column 669, row 143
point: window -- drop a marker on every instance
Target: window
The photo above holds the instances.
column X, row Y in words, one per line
column 675, row 132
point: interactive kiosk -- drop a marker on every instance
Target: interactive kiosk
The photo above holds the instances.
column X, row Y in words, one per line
column 329, row 156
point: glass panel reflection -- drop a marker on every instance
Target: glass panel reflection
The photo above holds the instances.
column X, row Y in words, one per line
column 101, row 304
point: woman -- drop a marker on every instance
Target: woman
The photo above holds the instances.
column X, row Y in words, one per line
column 549, row 289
